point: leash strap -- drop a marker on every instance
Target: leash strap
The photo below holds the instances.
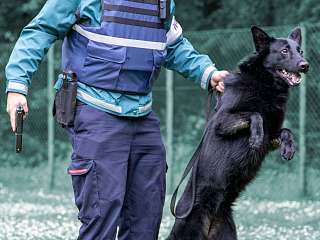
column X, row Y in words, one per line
column 192, row 165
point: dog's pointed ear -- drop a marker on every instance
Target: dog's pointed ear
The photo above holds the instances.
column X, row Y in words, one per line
column 261, row 39
column 295, row 35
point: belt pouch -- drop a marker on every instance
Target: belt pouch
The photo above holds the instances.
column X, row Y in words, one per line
column 65, row 100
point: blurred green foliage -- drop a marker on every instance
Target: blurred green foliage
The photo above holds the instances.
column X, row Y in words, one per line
column 14, row 15
column 265, row 210
column 211, row 14
column 194, row 15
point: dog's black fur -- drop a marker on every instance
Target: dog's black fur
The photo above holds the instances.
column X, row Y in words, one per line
column 239, row 135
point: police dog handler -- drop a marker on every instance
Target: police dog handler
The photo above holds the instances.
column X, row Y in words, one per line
column 115, row 48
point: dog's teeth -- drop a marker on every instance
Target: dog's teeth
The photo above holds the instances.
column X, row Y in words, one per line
column 291, row 77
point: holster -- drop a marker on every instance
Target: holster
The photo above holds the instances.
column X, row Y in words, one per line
column 65, row 100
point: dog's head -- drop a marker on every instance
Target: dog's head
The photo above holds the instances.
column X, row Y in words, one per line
column 284, row 58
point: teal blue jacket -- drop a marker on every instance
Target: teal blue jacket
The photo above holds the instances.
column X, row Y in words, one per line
column 57, row 18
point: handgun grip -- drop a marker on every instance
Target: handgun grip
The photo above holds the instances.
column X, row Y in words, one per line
column 19, row 128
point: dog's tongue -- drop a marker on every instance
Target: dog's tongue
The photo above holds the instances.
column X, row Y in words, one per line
column 294, row 79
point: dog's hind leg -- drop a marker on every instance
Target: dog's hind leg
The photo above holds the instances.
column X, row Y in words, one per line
column 229, row 228
column 223, row 227
column 190, row 228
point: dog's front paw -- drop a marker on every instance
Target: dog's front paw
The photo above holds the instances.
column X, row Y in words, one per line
column 256, row 131
column 288, row 151
column 255, row 142
column 288, row 146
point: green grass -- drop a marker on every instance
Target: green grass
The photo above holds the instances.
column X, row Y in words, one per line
column 269, row 210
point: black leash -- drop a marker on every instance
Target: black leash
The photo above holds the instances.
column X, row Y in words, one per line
column 192, row 165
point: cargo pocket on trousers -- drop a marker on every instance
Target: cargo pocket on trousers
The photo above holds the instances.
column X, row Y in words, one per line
column 84, row 182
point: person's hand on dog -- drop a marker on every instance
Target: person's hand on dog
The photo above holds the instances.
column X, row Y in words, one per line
column 217, row 80
column 15, row 100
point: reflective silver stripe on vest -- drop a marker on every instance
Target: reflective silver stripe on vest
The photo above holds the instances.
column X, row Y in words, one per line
column 108, row 106
column 98, row 102
column 145, row 108
column 119, row 41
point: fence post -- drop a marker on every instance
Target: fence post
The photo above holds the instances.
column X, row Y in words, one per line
column 50, row 92
column 302, row 123
column 169, row 127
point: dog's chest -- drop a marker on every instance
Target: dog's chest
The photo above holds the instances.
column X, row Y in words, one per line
column 273, row 110
column 263, row 103
column 270, row 104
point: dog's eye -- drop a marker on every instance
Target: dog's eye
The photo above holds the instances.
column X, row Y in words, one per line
column 284, row 51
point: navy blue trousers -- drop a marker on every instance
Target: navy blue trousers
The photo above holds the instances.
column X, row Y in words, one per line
column 118, row 175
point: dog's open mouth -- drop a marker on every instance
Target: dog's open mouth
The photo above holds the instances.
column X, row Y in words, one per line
column 293, row 78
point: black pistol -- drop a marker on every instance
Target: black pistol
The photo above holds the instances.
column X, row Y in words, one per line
column 19, row 128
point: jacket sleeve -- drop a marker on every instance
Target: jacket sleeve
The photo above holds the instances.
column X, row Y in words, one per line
column 52, row 23
column 183, row 58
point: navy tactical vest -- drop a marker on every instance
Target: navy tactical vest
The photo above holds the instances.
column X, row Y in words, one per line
column 125, row 53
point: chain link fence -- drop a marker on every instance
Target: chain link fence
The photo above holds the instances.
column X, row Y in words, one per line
column 226, row 48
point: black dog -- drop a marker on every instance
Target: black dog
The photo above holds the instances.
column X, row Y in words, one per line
column 240, row 134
